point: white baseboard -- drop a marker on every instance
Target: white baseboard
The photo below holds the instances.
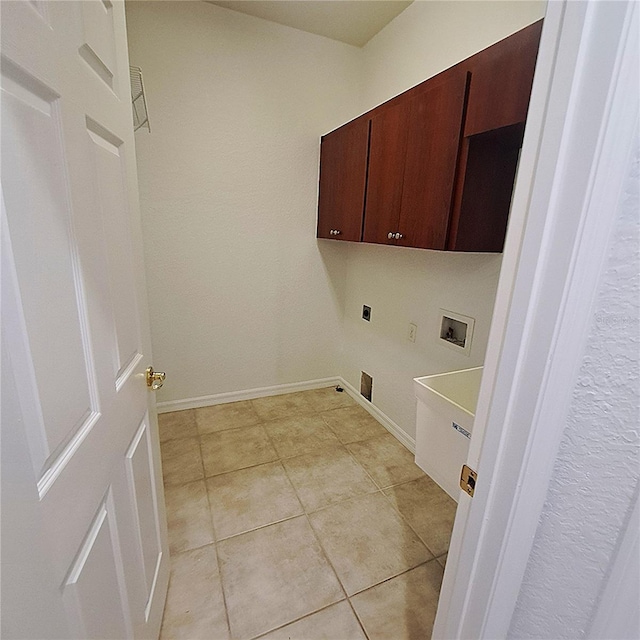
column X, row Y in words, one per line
column 261, row 392
column 247, row 394
column 381, row 417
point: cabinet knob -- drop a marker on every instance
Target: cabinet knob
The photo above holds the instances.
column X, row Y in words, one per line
column 332, row 232
column 337, row 232
column 391, row 235
column 398, row 236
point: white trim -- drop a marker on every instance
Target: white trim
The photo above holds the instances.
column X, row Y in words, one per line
column 381, row 417
column 280, row 389
column 246, row 394
column 582, row 117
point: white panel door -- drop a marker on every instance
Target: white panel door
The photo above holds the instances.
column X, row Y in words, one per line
column 84, row 545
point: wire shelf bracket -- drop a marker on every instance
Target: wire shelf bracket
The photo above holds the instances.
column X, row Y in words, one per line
column 138, row 100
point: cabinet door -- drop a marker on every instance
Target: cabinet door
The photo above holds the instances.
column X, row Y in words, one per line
column 434, row 129
column 343, row 175
column 387, row 153
column 501, row 79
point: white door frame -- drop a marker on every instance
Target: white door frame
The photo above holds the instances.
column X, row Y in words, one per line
column 581, row 130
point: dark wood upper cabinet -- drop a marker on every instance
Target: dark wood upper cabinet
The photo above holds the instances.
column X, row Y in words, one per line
column 343, row 176
column 412, row 163
column 501, row 79
column 387, row 153
column 434, row 167
column 434, row 129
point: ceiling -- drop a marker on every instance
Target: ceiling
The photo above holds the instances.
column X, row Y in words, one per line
column 352, row 21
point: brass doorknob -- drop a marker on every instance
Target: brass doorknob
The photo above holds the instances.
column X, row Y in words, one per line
column 155, row 379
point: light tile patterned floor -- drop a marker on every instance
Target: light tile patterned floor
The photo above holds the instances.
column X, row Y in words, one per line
column 298, row 517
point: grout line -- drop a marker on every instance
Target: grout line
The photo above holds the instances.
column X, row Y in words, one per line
column 345, row 500
column 306, row 615
column 408, row 523
column 355, row 613
column 306, row 515
column 200, row 546
column 375, row 484
column 315, row 535
column 393, row 577
column 224, row 593
column 215, row 545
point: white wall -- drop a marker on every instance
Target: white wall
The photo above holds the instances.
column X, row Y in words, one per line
column 403, row 285
column 432, row 35
column 239, row 291
column 411, row 285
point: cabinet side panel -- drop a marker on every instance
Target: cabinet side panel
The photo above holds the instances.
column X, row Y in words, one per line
column 501, row 79
column 488, row 185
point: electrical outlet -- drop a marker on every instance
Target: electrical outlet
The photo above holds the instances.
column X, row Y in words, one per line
column 413, row 329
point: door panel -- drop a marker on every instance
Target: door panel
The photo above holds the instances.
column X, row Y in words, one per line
column 140, row 475
column 94, row 591
column 98, row 48
column 41, row 7
column 386, row 170
column 111, row 202
column 79, row 338
column 46, row 262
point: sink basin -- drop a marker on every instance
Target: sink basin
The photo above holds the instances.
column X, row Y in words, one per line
column 444, row 421
column 460, row 388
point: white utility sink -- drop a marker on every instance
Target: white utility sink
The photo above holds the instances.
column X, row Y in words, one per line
column 444, row 422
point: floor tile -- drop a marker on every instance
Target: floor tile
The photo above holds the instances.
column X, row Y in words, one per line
column 336, row 622
column 403, row 608
column 352, row 424
column 284, row 406
column 188, row 516
column 367, row 541
column 387, row 461
column 428, row 509
column 278, row 574
column 327, row 477
column 443, row 560
column 298, row 435
column 250, row 498
column 181, row 461
column 177, row 424
column 236, row 449
column 328, row 398
column 220, row 417
column 195, row 606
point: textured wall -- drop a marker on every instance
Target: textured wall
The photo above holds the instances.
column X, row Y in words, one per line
column 238, row 289
column 403, row 285
column 588, row 505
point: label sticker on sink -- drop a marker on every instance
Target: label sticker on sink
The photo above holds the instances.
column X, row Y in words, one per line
column 458, row 428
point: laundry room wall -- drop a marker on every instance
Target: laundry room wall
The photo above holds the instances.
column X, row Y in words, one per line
column 241, row 294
